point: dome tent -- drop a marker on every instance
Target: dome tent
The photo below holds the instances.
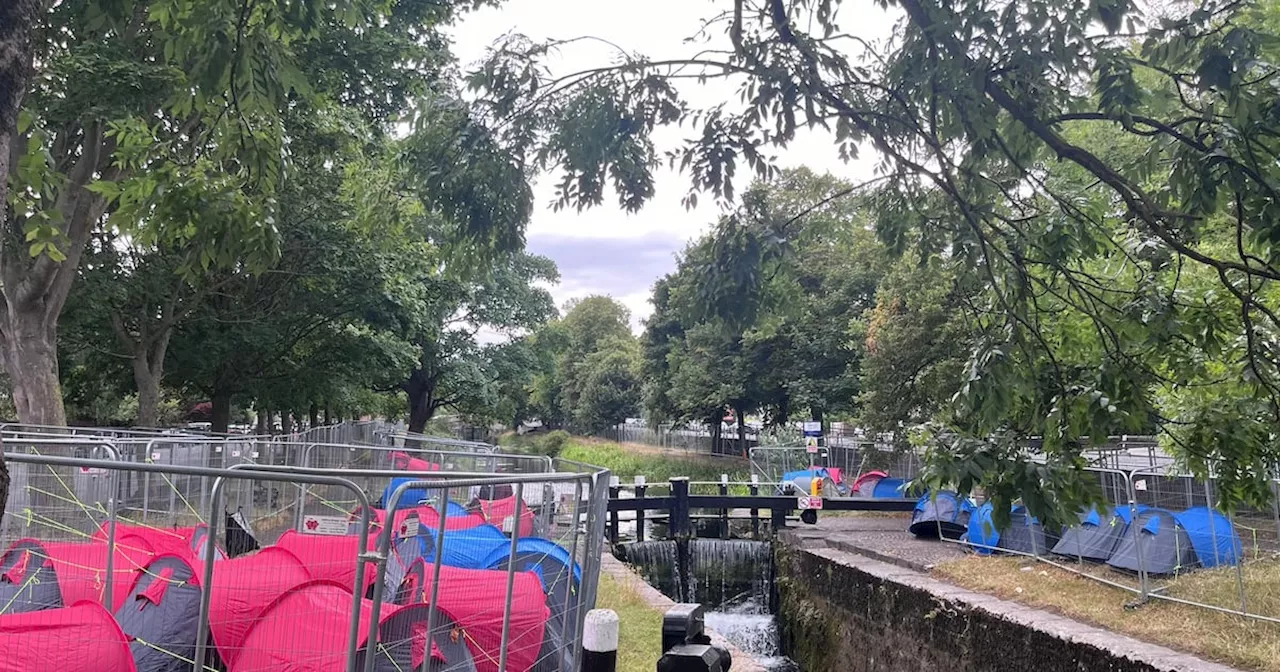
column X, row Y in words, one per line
column 80, row 638
column 1096, row 536
column 944, row 514
column 160, row 614
column 1212, row 536
column 865, row 485
column 1155, row 543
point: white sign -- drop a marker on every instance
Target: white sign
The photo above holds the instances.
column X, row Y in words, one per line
column 811, row 445
column 235, row 453
column 327, row 525
column 806, row 503
column 509, row 524
column 810, row 426
column 155, row 456
column 217, row 449
column 410, row 527
column 254, row 454
column 92, row 471
column 1140, row 485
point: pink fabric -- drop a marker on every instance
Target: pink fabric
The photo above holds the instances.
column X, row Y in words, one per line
column 869, row 476
column 474, row 599
column 156, row 540
column 79, row 638
column 331, row 558
column 19, row 569
column 496, row 512
column 402, row 461
column 81, row 569
column 306, row 630
column 835, row 474
column 155, row 592
column 243, row 588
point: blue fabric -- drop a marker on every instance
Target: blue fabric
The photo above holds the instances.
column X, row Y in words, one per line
column 531, row 554
column 1092, row 518
column 415, row 496
column 1212, row 535
column 947, row 503
column 805, row 473
column 1152, row 526
column 1126, row 514
column 889, row 487
column 982, row 533
column 469, row 549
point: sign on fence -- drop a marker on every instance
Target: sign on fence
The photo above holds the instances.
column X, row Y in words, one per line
column 807, row 502
column 332, row 526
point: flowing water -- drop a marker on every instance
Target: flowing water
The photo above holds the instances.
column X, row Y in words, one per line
column 732, row 579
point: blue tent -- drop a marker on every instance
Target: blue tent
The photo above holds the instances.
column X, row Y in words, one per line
column 819, row 472
column 944, row 513
column 414, row 496
column 982, row 533
column 1212, row 535
column 551, row 563
column 890, row 487
column 469, row 548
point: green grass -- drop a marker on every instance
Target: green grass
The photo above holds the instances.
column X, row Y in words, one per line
column 627, row 461
column 640, row 626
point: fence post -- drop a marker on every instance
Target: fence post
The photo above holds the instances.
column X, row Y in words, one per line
column 614, row 491
column 640, row 490
column 679, row 522
column 754, row 489
column 600, row 641
column 724, row 513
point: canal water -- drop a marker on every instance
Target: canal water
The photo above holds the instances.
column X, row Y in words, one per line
column 732, row 579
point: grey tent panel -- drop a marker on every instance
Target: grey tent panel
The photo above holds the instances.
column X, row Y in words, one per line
column 161, row 614
column 1164, row 546
column 1095, row 538
column 1026, row 535
column 946, row 515
column 34, row 587
column 395, row 642
column 561, row 588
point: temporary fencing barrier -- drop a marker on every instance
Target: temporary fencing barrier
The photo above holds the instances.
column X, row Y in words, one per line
column 318, row 594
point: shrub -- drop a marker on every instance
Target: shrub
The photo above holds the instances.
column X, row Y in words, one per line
column 551, row 443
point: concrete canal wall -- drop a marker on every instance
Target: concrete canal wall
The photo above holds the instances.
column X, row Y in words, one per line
column 843, row 612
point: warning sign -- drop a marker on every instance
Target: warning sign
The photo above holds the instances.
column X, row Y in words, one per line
column 331, row 526
column 811, row 444
column 806, row 503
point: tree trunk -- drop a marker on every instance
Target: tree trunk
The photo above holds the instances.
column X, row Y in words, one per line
column 221, row 414
column 715, row 427
column 31, row 359
column 816, row 414
column 314, row 415
column 148, row 384
column 261, row 428
column 742, row 430
column 286, row 423
column 328, row 414
column 420, row 409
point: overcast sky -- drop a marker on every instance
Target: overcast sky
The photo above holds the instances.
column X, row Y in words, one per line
column 605, row 250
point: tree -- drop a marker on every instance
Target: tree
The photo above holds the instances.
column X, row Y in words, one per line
column 610, row 387
column 973, row 109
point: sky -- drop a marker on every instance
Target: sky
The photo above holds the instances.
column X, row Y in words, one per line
column 606, row 250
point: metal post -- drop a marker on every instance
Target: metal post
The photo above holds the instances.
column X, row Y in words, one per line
column 640, row 490
column 435, row 578
column 755, row 513
column 1213, row 534
column 107, row 596
column 1239, row 553
column 600, row 641
column 511, row 579
column 1137, row 538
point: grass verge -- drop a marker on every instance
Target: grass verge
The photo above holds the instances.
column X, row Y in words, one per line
column 627, row 461
column 1233, row 640
column 640, row 633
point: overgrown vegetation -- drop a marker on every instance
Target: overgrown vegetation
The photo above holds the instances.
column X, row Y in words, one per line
column 640, row 631
column 627, row 461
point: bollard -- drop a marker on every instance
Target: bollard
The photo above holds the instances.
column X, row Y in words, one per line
column 686, row 647
column 600, row 641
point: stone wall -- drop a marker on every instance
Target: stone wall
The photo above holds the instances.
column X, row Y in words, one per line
column 846, row 613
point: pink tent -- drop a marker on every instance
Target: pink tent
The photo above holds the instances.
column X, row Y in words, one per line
column 243, row 588
column 401, row 460
column 497, row 511
column 332, row 558
column 425, row 515
column 835, row 473
column 81, row 568
column 79, row 638
column 868, row 482
column 306, row 630
column 158, row 540
column 475, row 599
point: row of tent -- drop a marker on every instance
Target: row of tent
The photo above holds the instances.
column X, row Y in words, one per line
column 868, row 484
column 288, row 606
column 1147, row 539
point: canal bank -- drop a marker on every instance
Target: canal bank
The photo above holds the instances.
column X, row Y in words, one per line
column 859, row 600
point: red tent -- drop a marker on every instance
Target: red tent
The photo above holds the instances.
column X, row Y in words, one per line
column 306, row 630
column 331, row 557
column 79, row 638
column 475, row 599
column 866, row 483
column 243, row 588
column 426, row 515
column 81, row 568
column 402, row 460
column 497, row 511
